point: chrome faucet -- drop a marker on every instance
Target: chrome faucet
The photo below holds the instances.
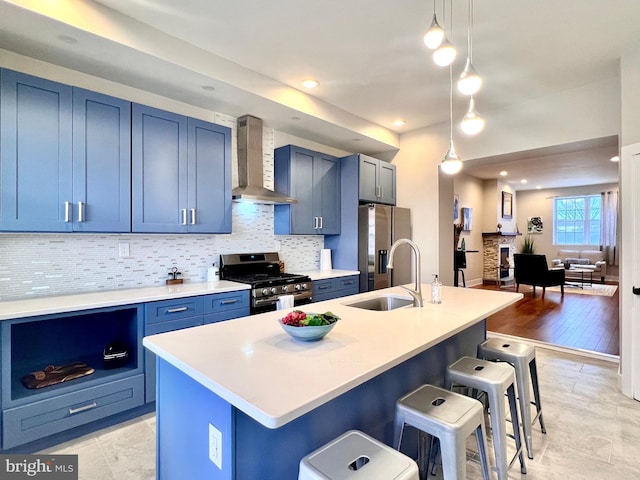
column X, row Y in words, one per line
column 416, row 294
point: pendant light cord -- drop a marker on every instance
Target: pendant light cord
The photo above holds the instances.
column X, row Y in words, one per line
column 451, row 104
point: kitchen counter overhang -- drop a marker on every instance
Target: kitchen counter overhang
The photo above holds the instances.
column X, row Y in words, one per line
column 252, row 364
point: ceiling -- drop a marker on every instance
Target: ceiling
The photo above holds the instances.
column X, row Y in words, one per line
column 368, row 56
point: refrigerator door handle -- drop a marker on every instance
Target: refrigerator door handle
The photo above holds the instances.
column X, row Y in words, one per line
column 382, row 261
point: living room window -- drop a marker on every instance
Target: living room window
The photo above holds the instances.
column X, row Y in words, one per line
column 577, row 220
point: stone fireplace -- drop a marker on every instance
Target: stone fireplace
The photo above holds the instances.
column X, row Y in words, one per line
column 497, row 256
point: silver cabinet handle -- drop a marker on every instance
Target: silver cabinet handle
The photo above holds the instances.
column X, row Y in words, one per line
column 381, row 191
column 315, row 223
column 67, row 212
column 176, row 310
column 80, row 212
column 73, row 411
column 321, row 222
column 229, row 302
column 193, row 216
column 184, row 216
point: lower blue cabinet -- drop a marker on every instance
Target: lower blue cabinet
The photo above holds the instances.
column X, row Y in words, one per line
column 330, row 288
column 47, row 417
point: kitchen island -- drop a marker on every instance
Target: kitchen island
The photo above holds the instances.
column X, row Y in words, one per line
column 242, row 400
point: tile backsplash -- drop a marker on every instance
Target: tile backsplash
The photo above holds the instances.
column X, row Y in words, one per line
column 54, row 264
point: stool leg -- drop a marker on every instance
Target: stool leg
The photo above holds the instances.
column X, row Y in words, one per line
column 536, row 392
column 398, row 429
column 498, row 416
column 515, row 421
column 454, row 457
column 481, row 440
column 523, row 381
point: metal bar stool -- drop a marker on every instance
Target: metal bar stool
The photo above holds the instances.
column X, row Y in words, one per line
column 494, row 379
column 523, row 358
column 353, row 455
column 451, row 418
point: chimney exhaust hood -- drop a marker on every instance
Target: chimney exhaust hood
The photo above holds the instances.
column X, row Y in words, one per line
column 250, row 178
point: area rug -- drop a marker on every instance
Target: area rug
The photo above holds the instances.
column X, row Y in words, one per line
column 594, row 289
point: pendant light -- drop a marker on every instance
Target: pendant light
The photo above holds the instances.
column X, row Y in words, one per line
column 445, row 54
column 451, row 163
column 469, row 82
column 435, row 34
column 472, row 122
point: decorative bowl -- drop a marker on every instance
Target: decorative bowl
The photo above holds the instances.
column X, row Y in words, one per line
column 307, row 333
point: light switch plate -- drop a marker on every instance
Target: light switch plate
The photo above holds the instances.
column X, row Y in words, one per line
column 123, row 250
column 215, row 446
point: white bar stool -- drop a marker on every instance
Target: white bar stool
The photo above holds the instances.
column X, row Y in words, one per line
column 355, row 455
column 451, row 418
column 523, row 358
column 494, row 379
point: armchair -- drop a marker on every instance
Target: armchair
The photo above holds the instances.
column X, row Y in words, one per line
column 531, row 269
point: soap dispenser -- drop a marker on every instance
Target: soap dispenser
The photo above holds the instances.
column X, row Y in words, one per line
column 436, row 290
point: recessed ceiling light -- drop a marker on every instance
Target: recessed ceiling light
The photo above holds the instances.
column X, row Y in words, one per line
column 208, row 88
column 615, row 159
column 503, row 173
column 355, row 139
column 538, row 187
column 310, row 83
column 399, row 122
column 524, row 180
column 68, row 39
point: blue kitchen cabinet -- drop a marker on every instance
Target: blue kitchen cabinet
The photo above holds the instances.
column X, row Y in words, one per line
column 30, row 344
column 35, row 153
column 330, row 288
column 169, row 315
column 65, row 158
column 313, row 179
column 377, row 180
column 181, row 173
column 101, row 163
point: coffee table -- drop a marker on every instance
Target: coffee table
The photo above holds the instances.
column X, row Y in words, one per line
column 580, row 282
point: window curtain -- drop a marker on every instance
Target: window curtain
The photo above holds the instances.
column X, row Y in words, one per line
column 609, row 230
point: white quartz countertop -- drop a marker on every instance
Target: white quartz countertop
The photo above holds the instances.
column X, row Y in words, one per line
column 323, row 274
column 85, row 301
column 254, row 365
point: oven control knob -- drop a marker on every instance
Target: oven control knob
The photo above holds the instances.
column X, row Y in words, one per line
column 297, row 287
column 285, row 288
column 304, row 286
column 274, row 290
column 265, row 291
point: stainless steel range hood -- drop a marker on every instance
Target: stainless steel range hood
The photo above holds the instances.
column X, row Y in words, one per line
column 250, row 179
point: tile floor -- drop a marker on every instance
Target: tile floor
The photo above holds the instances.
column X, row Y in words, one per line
column 593, row 431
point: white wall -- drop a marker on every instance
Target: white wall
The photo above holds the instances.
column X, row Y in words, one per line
column 471, row 194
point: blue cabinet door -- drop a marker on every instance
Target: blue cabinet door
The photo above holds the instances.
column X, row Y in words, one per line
column 101, row 163
column 159, row 171
column 326, row 191
column 35, row 154
column 209, row 171
column 387, row 183
column 368, row 179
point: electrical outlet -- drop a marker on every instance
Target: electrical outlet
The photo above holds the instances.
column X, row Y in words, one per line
column 123, row 250
column 215, row 446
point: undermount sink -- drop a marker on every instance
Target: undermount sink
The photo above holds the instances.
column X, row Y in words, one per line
column 382, row 303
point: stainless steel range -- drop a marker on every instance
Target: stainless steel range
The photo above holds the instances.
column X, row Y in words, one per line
column 262, row 272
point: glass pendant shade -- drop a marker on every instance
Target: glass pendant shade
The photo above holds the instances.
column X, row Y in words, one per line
column 451, row 163
column 472, row 122
column 435, row 34
column 469, row 82
column 445, row 54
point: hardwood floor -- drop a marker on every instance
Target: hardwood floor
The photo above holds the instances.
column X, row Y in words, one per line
column 588, row 322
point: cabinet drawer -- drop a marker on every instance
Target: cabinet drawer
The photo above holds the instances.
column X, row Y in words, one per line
column 218, row 302
column 47, row 417
column 175, row 324
column 347, row 283
column 173, row 309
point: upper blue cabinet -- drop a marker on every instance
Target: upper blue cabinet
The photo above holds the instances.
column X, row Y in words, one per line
column 181, row 173
column 377, row 180
column 313, row 179
column 64, row 157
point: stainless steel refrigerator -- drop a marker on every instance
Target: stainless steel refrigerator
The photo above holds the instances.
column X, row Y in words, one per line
column 378, row 227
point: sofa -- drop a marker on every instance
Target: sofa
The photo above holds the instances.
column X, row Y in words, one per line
column 591, row 259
